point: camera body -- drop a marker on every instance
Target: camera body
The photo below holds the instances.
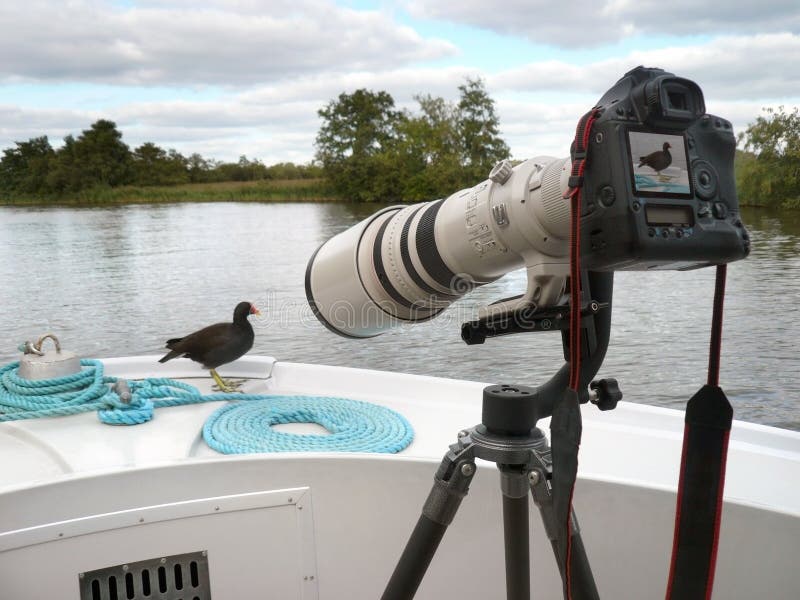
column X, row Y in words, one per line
column 659, row 189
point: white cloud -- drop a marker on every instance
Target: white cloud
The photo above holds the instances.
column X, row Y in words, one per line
column 731, row 67
column 402, row 83
column 538, row 103
column 592, row 23
column 199, row 43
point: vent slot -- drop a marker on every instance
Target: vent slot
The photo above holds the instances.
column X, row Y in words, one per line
column 177, row 577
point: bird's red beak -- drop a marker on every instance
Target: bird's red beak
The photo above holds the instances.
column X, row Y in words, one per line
column 254, row 310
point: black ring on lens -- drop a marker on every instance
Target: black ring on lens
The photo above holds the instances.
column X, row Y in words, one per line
column 383, row 278
column 313, row 303
column 429, row 254
column 405, row 253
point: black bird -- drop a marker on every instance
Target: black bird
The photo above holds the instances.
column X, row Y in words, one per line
column 217, row 344
column 658, row 160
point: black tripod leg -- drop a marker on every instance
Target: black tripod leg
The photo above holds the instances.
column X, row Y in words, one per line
column 415, row 559
column 450, row 485
column 582, row 585
column 514, row 485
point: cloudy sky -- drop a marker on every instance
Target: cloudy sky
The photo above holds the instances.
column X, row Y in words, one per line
column 231, row 77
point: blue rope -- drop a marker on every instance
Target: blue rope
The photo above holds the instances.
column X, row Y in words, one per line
column 90, row 390
column 354, row 426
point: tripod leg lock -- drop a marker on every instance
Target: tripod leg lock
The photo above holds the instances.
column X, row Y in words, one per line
column 447, row 494
column 514, row 482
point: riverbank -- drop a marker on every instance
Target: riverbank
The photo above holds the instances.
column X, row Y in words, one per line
column 268, row 190
column 265, row 190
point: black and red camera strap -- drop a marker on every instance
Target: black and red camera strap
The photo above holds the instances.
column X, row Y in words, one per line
column 574, row 194
column 565, row 424
column 707, row 429
column 706, row 432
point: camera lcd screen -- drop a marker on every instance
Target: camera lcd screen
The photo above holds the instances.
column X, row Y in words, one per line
column 659, row 164
column 669, row 215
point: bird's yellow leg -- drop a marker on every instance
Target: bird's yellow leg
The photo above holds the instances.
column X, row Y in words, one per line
column 224, row 386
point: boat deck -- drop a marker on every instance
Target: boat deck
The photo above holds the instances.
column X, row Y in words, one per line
column 78, row 495
column 634, row 443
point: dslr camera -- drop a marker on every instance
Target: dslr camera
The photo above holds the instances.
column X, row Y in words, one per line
column 658, row 193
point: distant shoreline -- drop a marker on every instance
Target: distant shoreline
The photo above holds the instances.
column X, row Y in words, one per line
column 265, row 190
column 269, row 190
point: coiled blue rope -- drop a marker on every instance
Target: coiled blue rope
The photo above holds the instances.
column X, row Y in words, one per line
column 91, row 390
column 354, row 426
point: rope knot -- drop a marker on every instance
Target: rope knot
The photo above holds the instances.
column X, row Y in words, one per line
column 125, row 408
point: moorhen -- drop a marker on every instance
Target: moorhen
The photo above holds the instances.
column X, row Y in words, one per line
column 658, row 160
column 217, row 344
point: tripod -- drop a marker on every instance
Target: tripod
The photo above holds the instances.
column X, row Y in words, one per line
column 509, row 437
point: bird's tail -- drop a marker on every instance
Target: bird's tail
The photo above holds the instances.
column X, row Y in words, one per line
column 641, row 161
column 170, row 355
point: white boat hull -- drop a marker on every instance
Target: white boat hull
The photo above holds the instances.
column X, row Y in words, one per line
column 77, row 495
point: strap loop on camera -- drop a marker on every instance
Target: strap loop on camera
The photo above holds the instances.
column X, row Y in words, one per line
column 575, row 182
column 565, row 425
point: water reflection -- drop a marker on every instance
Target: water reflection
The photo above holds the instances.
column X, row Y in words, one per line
column 119, row 281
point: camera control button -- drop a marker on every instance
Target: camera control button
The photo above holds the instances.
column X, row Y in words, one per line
column 705, row 179
column 720, row 210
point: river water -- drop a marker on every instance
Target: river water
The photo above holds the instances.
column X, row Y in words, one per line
column 121, row 280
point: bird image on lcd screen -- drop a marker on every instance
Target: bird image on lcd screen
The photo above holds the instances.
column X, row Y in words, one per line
column 658, row 160
column 217, row 344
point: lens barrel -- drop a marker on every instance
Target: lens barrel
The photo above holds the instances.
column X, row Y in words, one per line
column 406, row 264
column 383, row 272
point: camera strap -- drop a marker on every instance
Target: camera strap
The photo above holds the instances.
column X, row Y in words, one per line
column 565, row 424
column 708, row 420
column 702, row 476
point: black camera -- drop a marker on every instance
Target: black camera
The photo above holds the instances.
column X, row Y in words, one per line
column 659, row 189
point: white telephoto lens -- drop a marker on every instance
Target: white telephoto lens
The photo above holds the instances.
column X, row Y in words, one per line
column 406, row 264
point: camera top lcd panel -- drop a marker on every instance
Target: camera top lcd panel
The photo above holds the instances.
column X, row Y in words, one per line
column 659, row 189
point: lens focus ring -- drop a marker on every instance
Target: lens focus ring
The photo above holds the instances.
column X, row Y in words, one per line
column 429, row 255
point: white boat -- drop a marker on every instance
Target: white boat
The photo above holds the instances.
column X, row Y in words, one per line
column 82, row 502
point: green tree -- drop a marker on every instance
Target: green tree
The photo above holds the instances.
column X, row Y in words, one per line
column 65, row 174
column 198, row 168
column 103, row 157
column 243, row 170
column 24, row 168
column 355, row 145
column 98, row 157
column 769, row 171
column 429, row 153
column 155, row 166
column 479, row 130
column 251, row 170
column 288, row 170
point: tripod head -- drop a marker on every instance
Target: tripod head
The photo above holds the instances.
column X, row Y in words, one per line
column 513, row 409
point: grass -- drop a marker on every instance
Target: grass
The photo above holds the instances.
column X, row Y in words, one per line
column 279, row 190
